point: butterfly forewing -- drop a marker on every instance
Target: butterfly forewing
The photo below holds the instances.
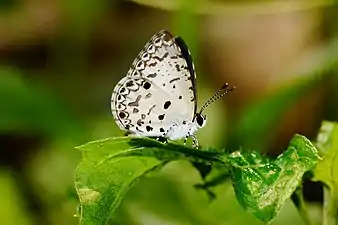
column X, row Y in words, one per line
column 158, row 89
column 162, row 62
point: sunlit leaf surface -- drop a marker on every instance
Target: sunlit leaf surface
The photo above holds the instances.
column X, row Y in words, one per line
column 262, row 187
column 327, row 141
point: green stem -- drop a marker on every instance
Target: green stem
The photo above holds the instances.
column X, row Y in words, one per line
column 298, row 200
column 329, row 207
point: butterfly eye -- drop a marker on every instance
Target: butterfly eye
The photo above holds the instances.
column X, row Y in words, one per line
column 200, row 120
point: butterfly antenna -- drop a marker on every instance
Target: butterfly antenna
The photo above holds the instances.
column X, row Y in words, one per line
column 225, row 89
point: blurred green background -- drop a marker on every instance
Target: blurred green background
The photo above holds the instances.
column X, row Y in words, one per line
column 60, row 60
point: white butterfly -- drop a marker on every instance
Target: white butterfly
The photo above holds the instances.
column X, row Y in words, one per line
column 157, row 98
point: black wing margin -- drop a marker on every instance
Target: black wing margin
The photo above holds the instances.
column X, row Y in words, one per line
column 187, row 56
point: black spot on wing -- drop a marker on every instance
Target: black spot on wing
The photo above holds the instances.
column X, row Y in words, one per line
column 120, row 106
column 175, row 79
column 159, row 58
column 139, row 130
column 146, row 85
column 152, row 75
column 135, row 103
column 161, row 117
column 122, row 115
column 123, row 91
column 129, row 83
column 135, row 110
column 151, row 108
column 148, row 95
column 149, row 128
column 139, row 122
column 139, row 64
column 167, row 104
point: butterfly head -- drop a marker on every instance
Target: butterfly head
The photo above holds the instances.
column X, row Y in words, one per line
column 200, row 120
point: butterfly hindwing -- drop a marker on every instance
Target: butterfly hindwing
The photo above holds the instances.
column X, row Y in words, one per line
column 143, row 108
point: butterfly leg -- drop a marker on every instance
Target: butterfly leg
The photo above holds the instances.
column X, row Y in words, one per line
column 162, row 138
column 128, row 133
column 195, row 141
column 185, row 140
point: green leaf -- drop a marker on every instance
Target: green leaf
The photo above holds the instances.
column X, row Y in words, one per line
column 111, row 166
column 327, row 142
column 102, row 178
column 262, row 187
column 327, row 169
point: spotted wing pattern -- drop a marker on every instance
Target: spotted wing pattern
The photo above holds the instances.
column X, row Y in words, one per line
column 158, row 90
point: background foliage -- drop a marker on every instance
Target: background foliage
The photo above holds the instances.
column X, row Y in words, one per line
column 59, row 61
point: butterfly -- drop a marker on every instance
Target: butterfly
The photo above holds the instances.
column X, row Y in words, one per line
column 157, row 98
